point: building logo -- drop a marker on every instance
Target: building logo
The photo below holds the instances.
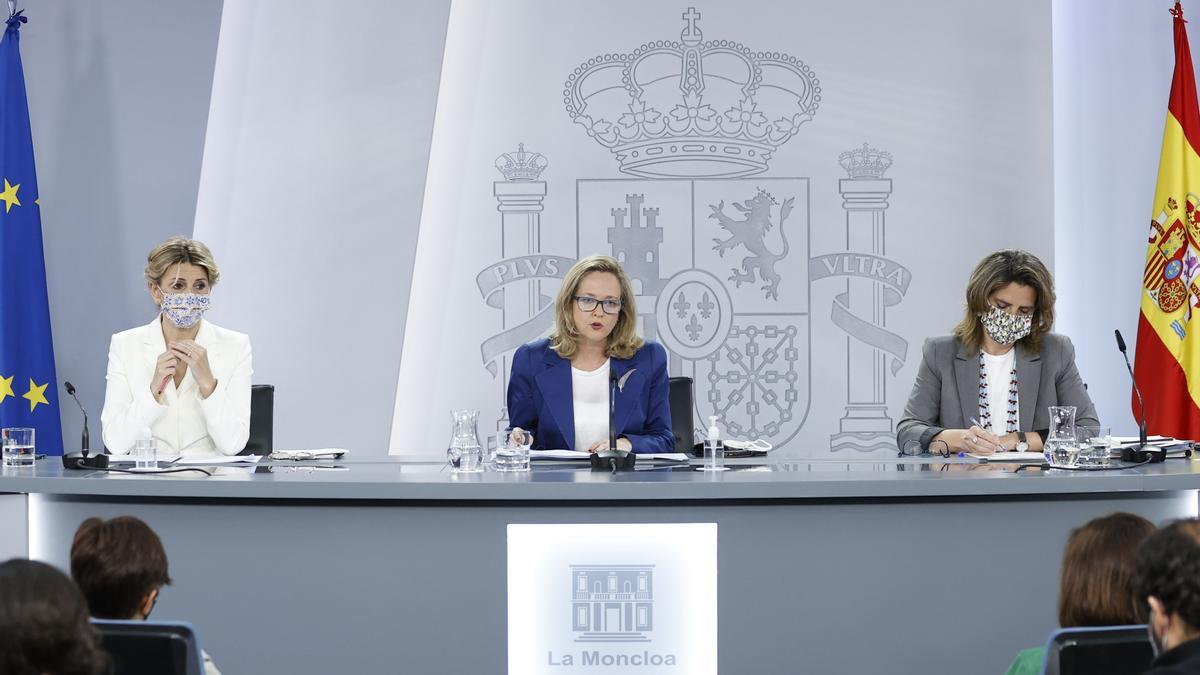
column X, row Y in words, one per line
column 720, row 262
column 612, row 603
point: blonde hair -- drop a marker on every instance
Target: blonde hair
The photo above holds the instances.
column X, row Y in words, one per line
column 994, row 272
column 180, row 249
column 623, row 341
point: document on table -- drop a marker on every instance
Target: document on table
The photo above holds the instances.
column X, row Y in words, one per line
column 1010, row 457
column 580, row 455
column 130, row 459
column 238, row 460
column 1150, row 440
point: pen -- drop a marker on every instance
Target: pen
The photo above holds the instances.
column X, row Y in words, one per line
column 975, row 422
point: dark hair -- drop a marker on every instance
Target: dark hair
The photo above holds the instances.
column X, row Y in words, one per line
column 117, row 563
column 996, row 271
column 1168, row 568
column 1096, row 584
column 44, row 626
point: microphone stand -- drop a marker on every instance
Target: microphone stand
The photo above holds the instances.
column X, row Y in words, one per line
column 1143, row 452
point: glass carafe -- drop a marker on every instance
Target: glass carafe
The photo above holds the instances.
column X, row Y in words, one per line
column 465, row 455
column 1062, row 445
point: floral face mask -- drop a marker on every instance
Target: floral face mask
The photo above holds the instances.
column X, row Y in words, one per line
column 185, row 309
column 1006, row 328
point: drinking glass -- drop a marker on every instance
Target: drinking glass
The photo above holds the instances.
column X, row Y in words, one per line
column 1094, row 445
column 18, row 448
column 512, row 450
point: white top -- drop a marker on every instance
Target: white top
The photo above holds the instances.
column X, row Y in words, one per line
column 184, row 424
column 589, row 398
column 999, row 377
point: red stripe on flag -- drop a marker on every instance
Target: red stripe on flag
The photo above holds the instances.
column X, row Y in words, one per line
column 1183, row 104
column 1170, row 410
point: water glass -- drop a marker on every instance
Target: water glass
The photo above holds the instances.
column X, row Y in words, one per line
column 512, row 450
column 145, row 453
column 17, row 446
column 1094, row 445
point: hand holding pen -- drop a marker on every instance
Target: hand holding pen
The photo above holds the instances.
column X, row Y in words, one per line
column 980, row 441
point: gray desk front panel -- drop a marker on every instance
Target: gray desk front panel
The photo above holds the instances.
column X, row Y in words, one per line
column 850, row 585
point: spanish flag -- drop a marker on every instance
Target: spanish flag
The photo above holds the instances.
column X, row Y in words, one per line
column 1167, row 366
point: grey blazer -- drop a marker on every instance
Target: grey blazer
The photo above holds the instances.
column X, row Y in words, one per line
column 946, row 392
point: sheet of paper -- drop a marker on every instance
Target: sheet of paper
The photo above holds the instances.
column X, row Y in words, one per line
column 583, row 456
column 130, row 459
column 1150, row 440
column 318, row 453
column 242, row 460
column 1010, row 457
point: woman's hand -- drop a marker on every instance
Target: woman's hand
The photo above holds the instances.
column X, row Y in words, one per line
column 164, row 369
column 974, row 440
column 623, row 445
column 196, row 358
column 518, row 436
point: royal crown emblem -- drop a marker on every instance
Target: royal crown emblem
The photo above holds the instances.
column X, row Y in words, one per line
column 865, row 162
column 692, row 108
column 521, row 165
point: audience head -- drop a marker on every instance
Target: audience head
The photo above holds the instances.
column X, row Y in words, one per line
column 1096, row 584
column 119, row 565
column 996, row 273
column 622, row 338
column 1167, row 578
column 44, row 628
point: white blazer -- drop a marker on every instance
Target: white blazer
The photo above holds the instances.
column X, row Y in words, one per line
column 186, row 424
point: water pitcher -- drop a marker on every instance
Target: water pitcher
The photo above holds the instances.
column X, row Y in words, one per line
column 465, row 455
column 1062, row 445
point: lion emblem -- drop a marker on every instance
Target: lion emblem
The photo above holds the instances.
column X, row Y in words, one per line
column 749, row 232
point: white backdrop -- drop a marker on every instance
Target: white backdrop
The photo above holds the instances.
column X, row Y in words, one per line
column 959, row 95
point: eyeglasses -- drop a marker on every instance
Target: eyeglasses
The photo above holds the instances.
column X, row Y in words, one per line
column 588, row 304
column 936, row 447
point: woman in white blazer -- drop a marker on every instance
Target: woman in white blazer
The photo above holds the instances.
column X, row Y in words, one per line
column 184, row 378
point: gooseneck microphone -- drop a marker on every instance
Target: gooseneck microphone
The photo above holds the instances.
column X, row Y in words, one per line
column 612, row 410
column 80, row 460
column 84, row 444
column 1143, row 451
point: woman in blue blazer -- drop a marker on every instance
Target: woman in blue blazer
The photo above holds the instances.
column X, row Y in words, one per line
column 559, row 387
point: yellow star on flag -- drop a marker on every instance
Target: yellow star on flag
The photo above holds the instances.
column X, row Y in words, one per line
column 9, row 196
column 6, row 388
column 36, row 394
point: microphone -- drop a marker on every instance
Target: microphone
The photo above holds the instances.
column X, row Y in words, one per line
column 1142, row 452
column 612, row 410
column 613, row 459
column 80, row 460
column 84, row 441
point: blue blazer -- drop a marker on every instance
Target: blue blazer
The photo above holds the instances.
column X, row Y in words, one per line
column 539, row 398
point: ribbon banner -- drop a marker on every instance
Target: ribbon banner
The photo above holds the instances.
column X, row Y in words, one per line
column 492, row 283
column 894, row 278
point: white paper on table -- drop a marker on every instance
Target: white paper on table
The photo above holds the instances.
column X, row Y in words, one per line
column 130, row 459
column 1150, row 440
column 583, row 455
column 1010, row 457
column 208, row 461
column 319, row 453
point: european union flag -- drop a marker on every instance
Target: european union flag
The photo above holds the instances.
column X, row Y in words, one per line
column 28, row 385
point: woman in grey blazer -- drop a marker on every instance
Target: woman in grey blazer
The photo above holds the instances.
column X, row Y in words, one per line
column 988, row 386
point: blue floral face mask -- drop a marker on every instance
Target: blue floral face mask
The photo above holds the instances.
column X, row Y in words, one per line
column 185, row 309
